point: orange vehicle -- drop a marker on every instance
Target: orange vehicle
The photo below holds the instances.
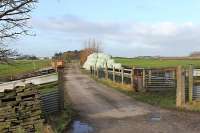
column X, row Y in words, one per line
column 58, row 64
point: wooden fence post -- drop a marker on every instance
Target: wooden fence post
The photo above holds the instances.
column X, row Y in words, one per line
column 90, row 70
column 143, row 78
column 106, row 71
column 97, row 72
column 183, row 87
column 94, row 71
column 113, row 74
column 180, row 90
column 190, row 83
column 61, row 86
column 122, row 75
column 132, row 77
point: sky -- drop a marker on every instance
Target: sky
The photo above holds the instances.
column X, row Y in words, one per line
column 126, row 28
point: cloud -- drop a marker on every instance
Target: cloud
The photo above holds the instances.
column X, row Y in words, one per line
column 164, row 38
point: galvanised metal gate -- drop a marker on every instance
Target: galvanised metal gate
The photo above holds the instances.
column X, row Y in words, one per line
column 160, row 79
column 192, row 84
column 196, row 84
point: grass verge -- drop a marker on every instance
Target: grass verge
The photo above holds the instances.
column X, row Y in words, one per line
column 61, row 121
column 165, row 99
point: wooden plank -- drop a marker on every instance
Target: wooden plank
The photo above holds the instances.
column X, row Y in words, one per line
column 143, row 78
column 127, row 75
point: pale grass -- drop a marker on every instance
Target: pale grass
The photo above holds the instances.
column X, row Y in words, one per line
column 123, row 87
column 194, row 106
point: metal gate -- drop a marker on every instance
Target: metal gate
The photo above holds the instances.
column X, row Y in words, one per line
column 196, row 84
column 160, row 79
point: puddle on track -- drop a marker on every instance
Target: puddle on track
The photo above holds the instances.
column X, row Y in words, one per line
column 154, row 117
column 80, row 127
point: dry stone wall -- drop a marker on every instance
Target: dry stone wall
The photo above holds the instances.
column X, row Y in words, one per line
column 20, row 110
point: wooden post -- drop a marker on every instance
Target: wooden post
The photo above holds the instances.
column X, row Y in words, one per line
column 122, row 75
column 113, row 74
column 106, row 71
column 143, row 78
column 61, row 87
column 91, row 70
column 132, row 77
column 150, row 75
column 94, row 71
column 183, row 88
column 180, row 90
column 190, row 83
column 97, row 72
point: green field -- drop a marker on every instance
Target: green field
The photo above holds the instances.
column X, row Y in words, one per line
column 21, row 67
column 155, row 63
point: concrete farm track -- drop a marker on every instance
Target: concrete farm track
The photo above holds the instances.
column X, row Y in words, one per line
column 109, row 111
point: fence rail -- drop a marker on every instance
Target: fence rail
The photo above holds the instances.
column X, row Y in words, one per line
column 186, row 81
column 140, row 78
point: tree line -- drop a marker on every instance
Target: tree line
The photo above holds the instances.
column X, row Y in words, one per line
column 89, row 47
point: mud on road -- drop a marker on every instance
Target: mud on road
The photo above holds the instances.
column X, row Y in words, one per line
column 106, row 110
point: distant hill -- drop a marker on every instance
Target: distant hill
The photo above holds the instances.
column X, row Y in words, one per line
column 195, row 54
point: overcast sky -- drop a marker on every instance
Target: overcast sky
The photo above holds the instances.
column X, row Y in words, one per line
column 126, row 27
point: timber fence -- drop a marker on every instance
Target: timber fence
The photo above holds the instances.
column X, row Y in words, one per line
column 184, row 80
column 140, row 79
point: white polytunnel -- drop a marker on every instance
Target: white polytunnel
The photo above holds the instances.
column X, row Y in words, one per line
column 99, row 60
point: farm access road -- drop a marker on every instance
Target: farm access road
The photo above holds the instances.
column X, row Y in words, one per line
column 109, row 111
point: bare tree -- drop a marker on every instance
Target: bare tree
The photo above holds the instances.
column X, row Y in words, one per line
column 90, row 46
column 6, row 53
column 13, row 17
column 93, row 45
